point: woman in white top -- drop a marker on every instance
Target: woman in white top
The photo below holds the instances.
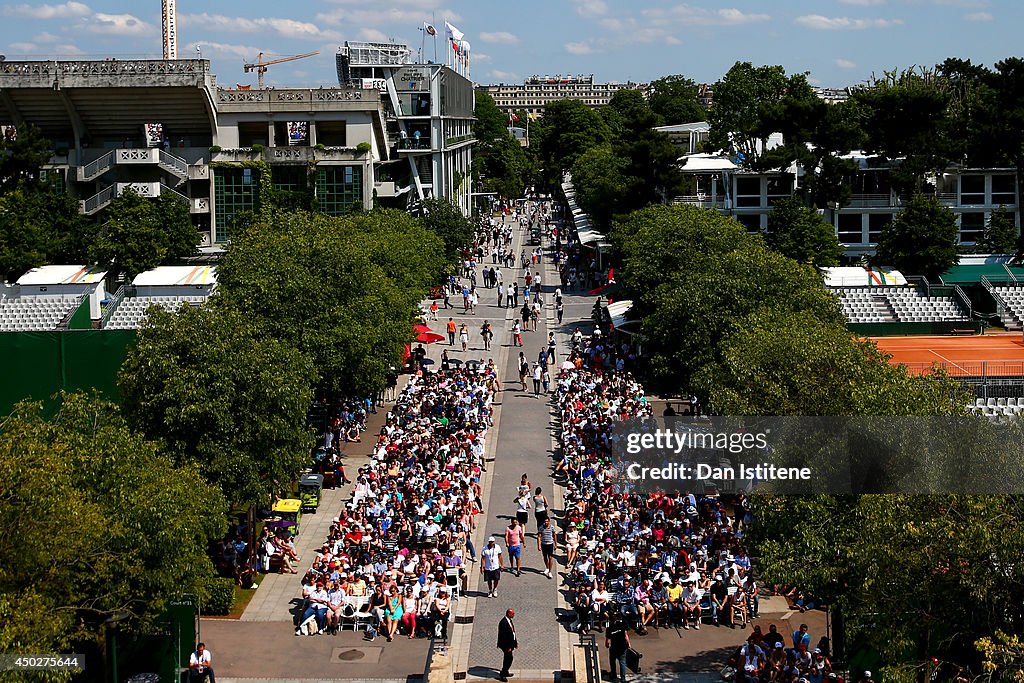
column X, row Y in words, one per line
column 572, row 543
column 409, row 608
column 523, row 508
column 442, row 610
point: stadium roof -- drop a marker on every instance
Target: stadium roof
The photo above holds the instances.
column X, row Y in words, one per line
column 177, row 276
column 62, row 275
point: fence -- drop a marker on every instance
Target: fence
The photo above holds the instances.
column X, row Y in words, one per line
column 40, row 364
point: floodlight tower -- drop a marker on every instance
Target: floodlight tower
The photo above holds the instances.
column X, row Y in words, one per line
column 170, row 26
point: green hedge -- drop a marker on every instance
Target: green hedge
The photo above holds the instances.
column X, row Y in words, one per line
column 221, row 596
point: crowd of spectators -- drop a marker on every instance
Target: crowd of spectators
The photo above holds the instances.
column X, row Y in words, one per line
column 664, row 558
column 396, row 552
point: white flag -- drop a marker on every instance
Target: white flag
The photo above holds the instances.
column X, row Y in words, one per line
column 454, row 33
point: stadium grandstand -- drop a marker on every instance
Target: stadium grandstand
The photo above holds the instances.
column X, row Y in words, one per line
column 885, row 296
column 169, row 287
column 51, row 298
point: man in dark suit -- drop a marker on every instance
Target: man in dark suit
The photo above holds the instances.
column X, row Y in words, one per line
column 507, row 642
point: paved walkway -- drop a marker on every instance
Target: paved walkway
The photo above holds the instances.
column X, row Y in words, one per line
column 279, row 594
column 523, row 445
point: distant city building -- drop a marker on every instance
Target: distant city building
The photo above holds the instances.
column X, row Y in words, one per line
column 428, row 112
column 537, row 91
column 833, row 95
column 167, row 127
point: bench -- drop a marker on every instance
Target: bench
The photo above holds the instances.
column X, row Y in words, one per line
column 962, row 331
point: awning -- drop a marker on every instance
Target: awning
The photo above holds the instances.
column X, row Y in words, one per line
column 617, row 312
column 588, row 236
column 706, row 163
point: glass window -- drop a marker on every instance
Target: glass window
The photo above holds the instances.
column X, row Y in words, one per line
column 877, row 223
column 972, row 226
column 1004, row 190
column 750, row 221
column 972, row 189
column 339, row 189
column 851, row 229
column 748, row 192
column 233, row 192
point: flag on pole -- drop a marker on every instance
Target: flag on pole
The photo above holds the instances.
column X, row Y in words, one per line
column 512, row 116
column 429, row 28
column 453, row 33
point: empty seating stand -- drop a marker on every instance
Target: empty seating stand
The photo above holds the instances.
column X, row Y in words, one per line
column 1013, row 303
column 997, row 410
column 131, row 311
column 35, row 313
column 897, row 304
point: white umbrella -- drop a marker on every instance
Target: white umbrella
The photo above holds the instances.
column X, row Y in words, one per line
column 568, row 365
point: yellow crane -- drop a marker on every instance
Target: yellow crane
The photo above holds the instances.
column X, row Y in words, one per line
column 260, row 67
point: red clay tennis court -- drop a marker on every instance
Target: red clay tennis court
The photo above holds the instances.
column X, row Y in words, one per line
column 991, row 355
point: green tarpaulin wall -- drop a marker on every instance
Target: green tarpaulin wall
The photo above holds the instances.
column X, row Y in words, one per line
column 37, row 365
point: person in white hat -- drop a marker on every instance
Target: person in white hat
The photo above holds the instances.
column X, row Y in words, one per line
column 491, row 564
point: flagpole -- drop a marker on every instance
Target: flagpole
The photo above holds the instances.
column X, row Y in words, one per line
column 423, row 40
column 433, row 22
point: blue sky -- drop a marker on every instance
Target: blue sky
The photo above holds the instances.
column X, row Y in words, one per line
column 839, row 42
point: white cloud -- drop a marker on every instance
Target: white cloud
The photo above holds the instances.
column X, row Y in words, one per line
column 482, row 58
column 210, row 47
column 24, row 48
column 503, row 75
column 45, row 37
column 501, row 37
column 581, row 48
column 67, row 49
column 845, row 64
column 698, row 16
column 373, row 35
column 591, row 8
column 360, row 15
column 117, row 25
column 62, row 11
column 978, row 16
column 822, row 23
column 289, row 28
column 863, row 3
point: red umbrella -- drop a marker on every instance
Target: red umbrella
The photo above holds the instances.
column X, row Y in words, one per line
column 428, row 337
column 421, row 329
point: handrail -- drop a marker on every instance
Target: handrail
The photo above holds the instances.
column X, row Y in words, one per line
column 964, row 299
column 98, row 200
column 98, row 166
column 112, row 306
column 66, row 320
column 175, row 162
column 167, row 188
column 1009, row 272
column 592, row 656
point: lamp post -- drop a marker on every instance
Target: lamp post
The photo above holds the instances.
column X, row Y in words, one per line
column 112, row 624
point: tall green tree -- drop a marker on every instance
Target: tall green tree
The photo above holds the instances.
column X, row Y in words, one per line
column 313, row 281
column 445, row 220
column 566, row 131
column 1001, row 235
column 499, row 163
column 958, row 577
column 676, row 99
column 96, row 521
column 694, row 275
column 599, row 177
column 22, row 157
column 140, row 234
column 40, row 226
column 220, row 395
column 921, row 239
column 740, row 98
column 801, row 233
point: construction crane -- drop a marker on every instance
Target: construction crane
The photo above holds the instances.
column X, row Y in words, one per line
column 260, row 67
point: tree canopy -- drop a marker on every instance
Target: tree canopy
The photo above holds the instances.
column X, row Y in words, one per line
column 676, row 99
column 568, row 129
column 443, row 218
column 921, row 239
column 339, row 289
column 140, row 234
column 218, row 394
column 95, row 521
column 499, row 163
column 802, row 234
